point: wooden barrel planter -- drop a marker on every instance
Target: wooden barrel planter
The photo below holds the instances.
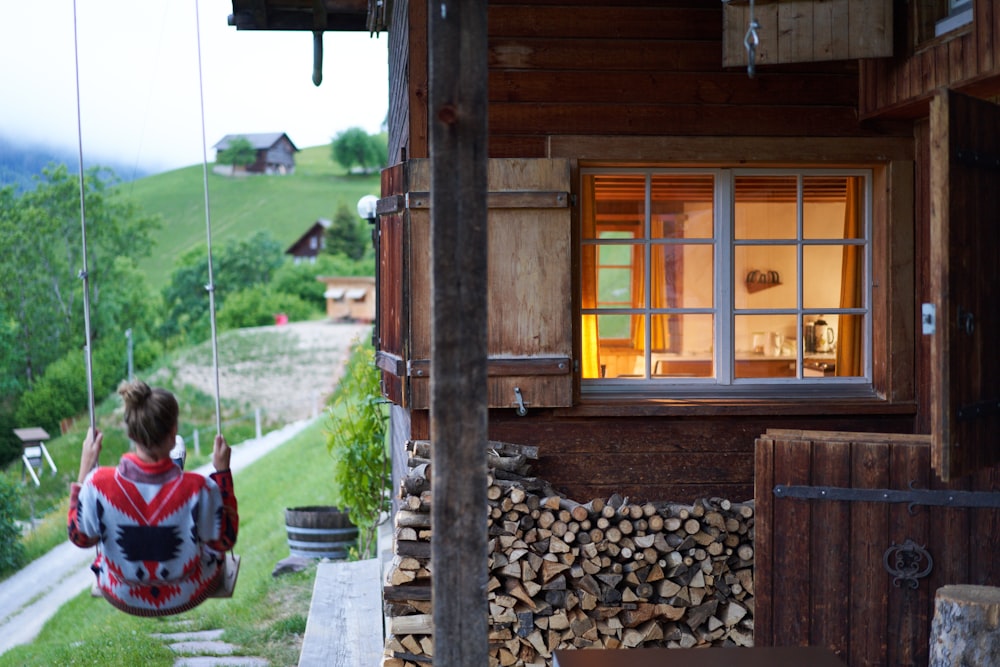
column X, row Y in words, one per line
column 320, row 532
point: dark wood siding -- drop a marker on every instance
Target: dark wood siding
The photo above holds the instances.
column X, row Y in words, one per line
column 966, row 60
column 638, row 68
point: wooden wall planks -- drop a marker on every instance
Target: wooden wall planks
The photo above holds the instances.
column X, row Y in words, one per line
column 965, row 60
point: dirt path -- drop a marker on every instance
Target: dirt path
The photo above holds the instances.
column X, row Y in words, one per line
column 287, row 370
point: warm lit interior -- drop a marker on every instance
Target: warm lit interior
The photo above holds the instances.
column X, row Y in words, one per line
column 654, row 266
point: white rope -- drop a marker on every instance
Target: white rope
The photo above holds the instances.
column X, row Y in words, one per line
column 84, row 274
column 208, row 226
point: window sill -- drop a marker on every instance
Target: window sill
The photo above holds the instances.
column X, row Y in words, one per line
column 730, row 406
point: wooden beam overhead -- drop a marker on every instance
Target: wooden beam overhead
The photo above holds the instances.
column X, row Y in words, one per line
column 341, row 15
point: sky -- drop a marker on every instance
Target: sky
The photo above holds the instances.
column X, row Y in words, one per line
column 139, row 100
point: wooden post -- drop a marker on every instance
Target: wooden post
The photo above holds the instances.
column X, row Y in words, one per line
column 458, row 139
column 966, row 626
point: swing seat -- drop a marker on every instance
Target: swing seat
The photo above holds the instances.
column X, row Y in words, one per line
column 231, row 570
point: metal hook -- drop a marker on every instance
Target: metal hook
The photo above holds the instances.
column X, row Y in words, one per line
column 751, row 41
column 521, row 410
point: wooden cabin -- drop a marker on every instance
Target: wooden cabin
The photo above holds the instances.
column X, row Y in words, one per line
column 717, row 274
column 308, row 246
column 275, row 152
column 349, row 298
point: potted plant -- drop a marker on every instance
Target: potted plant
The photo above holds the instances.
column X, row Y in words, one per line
column 357, row 443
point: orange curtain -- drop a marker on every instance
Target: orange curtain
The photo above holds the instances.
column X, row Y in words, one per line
column 849, row 336
column 638, row 300
column 589, row 343
column 590, row 349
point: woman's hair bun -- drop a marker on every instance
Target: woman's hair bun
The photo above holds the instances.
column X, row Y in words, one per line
column 135, row 392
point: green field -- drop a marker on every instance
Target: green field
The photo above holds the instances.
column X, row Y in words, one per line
column 284, row 206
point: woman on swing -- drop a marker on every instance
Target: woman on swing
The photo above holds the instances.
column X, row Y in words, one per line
column 162, row 532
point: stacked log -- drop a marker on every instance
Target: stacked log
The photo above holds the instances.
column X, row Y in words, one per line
column 609, row 573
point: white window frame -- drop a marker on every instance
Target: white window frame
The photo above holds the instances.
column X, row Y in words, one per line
column 724, row 383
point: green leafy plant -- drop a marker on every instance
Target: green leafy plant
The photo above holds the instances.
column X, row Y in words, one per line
column 11, row 549
column 356, row 441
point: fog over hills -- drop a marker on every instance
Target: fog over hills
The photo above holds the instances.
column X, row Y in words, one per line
column 20, row 162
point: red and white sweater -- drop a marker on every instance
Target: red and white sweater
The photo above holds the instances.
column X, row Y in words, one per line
column 161, row 533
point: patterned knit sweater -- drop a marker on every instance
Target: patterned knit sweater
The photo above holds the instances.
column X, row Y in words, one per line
column 161, row 533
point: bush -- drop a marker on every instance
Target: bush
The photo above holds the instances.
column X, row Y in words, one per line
column 62, row 391
column 356, row 442
column 257, row 306
column 11, row 549
column 300, row 279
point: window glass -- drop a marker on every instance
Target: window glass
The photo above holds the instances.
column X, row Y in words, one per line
column 766, row 207
column 772, row 291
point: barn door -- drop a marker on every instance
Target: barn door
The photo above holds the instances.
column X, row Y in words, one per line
column 965, row 283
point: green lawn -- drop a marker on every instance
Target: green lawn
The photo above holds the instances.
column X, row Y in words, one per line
column 266, row 615
column 285, row 206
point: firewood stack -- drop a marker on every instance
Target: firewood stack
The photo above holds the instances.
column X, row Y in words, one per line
column 606, row 574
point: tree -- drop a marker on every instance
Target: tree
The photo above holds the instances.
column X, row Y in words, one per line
column 240, row 264
column 348, row 235
column 40, row 291
column 41, row 297
column 239, row 153
column 355, row 147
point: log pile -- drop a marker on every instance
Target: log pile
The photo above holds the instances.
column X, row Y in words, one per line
column 609, row 573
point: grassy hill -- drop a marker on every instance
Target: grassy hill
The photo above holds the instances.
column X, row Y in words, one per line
column 285, row 206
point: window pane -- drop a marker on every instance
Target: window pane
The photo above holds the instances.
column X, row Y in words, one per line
column 619, row 205
column 831, row 276
column 682, row 276
column 831, row 207
column 764, row 277
column 682, row 345
column 620, row 276
column 766, row 207
column 766, row 346
column 621, row 346
column 849, row 344
column 682, row 206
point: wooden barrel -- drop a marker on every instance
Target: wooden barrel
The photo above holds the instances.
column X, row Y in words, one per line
column 320, row 532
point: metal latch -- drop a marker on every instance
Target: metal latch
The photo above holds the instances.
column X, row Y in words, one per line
column 521, row 409
column 928, row 318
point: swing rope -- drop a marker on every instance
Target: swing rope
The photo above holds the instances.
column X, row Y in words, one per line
column 208, row 224
column 84, row 273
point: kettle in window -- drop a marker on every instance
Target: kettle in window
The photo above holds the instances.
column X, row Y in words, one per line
column 823, row 336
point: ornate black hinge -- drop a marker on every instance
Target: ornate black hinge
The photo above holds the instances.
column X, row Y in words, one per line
column 911, row 496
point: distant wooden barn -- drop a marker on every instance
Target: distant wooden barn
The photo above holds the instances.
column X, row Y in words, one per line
column 308, row 246
column 275, row 152
column 349, row 298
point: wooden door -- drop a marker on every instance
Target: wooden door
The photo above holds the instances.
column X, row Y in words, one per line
column 831, row 569
column 965, row 283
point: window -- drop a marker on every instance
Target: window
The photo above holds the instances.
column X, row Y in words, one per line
column 725, row 280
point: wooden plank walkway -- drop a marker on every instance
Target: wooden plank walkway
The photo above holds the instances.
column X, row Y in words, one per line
column 345, row 617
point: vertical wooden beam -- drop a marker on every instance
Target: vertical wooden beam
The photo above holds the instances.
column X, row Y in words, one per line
column 458, row 139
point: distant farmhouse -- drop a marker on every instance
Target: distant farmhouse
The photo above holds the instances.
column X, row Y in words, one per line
column 309, row 245
column 275, row 154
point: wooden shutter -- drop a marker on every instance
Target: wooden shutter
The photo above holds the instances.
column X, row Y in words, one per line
column 965, row 283
column 530, row 302
column 799, row 31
